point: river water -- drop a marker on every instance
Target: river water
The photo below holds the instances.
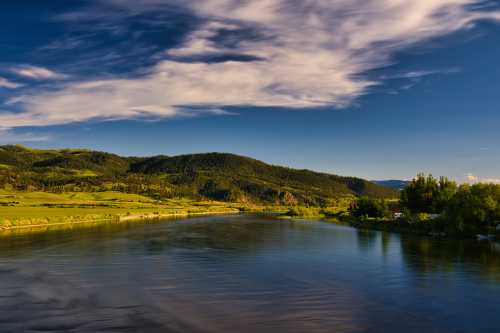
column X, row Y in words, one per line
column 245, row 274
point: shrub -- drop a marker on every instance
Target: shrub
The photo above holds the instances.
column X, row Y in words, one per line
column 367, row 207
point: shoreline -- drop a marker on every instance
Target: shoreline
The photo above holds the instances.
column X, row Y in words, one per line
column 383, row 226
column 118, row 219
column 140, row 217
column 395, row 226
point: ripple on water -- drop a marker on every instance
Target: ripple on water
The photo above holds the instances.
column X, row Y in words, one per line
column 245, row 274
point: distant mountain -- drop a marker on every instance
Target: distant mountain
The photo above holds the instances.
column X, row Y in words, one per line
column 393, row 183
column 217, row 176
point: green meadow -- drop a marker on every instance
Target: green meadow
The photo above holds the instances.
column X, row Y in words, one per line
column 21, row 209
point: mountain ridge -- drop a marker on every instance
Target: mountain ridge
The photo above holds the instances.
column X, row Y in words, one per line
column 220, row 176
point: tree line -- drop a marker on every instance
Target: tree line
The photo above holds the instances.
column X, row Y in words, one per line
column 439, row 204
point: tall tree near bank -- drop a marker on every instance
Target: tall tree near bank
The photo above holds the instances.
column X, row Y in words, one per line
column 425, row 194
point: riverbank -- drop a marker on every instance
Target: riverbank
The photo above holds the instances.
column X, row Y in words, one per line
column 428, row 227
column 25, row 210
column 119, row 219
column 20, row 210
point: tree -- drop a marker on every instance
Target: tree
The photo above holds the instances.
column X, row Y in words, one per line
column 367, row 207
column 474, row 209
column 212, row 190
column 425, row 194
column 446, row 191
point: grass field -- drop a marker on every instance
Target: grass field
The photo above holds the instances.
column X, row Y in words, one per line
column 36, row 209
column 24, row 209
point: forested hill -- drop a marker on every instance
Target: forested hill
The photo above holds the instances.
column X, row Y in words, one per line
column 212, row 175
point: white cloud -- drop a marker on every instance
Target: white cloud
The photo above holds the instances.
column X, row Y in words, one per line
column 37, row 73
column 200, row 43
column 4, row 83
column 312, row 53
column 472, row 179
column 103, row 100
column 490, row 180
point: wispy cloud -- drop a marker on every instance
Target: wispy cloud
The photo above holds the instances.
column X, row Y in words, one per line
column 67, row 43
column 4, row 83
column 37, row 73
column 308, row 53
column 417, row 74
column 13, row 136
column 412, row 78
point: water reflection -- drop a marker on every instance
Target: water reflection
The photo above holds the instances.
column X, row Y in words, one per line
column 426, row 255
column 244, row 274
column 367, row 239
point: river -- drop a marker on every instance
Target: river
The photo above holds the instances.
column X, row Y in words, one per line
column 245, row 274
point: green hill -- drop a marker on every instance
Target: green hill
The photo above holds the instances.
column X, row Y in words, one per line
column 213, row 175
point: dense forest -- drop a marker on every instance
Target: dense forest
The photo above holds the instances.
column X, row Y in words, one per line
column 216, row 176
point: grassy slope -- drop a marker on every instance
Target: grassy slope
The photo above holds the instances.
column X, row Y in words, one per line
column 41, row 208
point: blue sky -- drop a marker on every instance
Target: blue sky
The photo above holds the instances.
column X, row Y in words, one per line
column 378, row 89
